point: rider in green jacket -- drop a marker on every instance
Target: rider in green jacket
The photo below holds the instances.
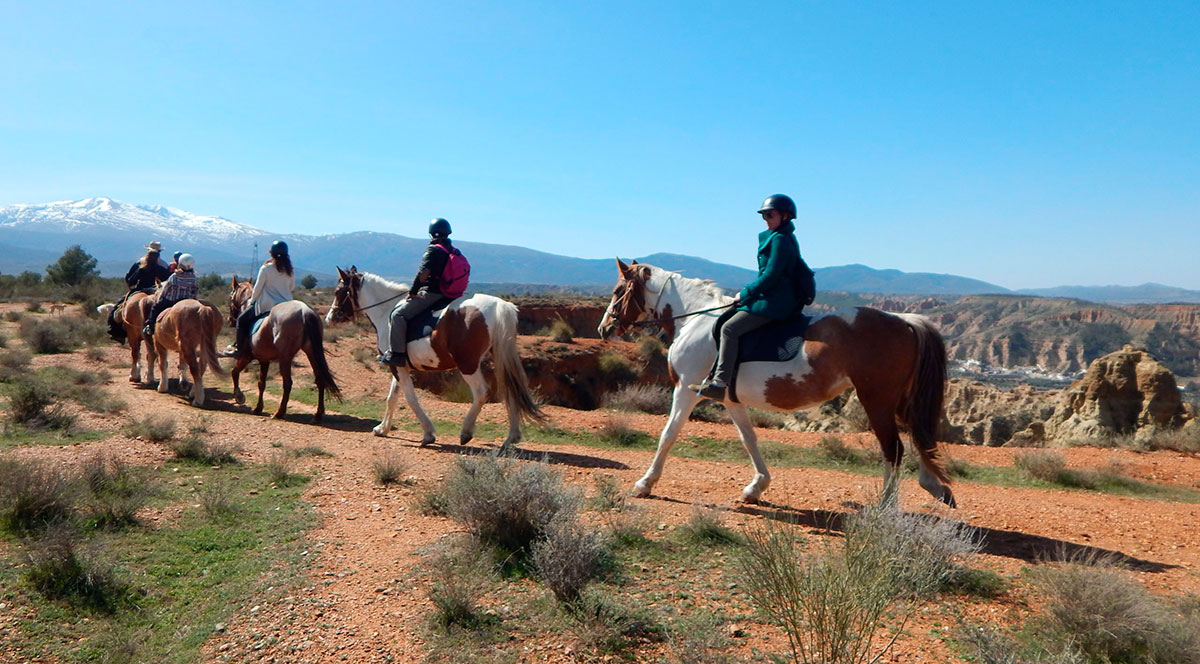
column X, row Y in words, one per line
column 771, row 296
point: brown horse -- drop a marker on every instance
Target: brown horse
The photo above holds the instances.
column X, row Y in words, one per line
column 289, row 328
column 131, row 315
column 468, row 329
column 896, row 363
column 190, row 328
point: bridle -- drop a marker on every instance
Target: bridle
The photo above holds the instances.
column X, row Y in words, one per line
column 621, row 304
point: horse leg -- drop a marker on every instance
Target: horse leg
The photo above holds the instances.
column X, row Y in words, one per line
column 883, row 425
column 238, row 366
column 682, row 404
column 479, row 390
column 285, row 374
column 262, row 384
column 320, row 414
column 135, row 352
column 164, row 380
column 762, row 478
column 188, row 356
column 385, row 425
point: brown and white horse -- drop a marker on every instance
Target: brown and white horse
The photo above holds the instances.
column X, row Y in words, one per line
column 469, row 327
column 190, row 328
column 289, row 328
column 896, row 363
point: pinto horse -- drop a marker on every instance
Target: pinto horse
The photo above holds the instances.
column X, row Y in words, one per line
column 468, row 328
column 896, row 363
column 190, row 328
column 289, row 328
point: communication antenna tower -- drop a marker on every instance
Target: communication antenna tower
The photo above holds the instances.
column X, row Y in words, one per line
column 254, row 260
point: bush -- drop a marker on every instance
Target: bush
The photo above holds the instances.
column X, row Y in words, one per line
column 216, row 500
column 1052, row 467
column 608, row 497
column 51, row 335
column 116, row 491
column 193, row 447
column 13, row 316
column 507, row 504
column 831, row 604
column 653, row 399
column 34, row 307
column 768, row 419
column 699, row 639
column 616, row 431
column 154, row 428
column 33, row 495
column 279, row 469
column 388, row 469
column 58, row 568
column 462, row 578
column 649, row 349
column 706, row 526
column 614, row 368
column 34, row 404
column 14, row 363
column 561, row 331
column 836, row 450
column 611, row 627
column 1110, row 617
column 568, row 558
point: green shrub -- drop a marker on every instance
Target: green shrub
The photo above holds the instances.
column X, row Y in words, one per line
column 116, row 491
column 217, row 500
column 60, row 569
column 561, row 331
column 34, row 404
column 279, row 469
column 649, row 349
column 707, row 526
column 33, row 495
column 13, row 316
column 608, row 497
column 193, row 447
column 768, row 419
column 835, row 449
column 34, row 307
column 154, row 428
column 614, row 368
column 49, row 335
column 616, row 431
column 462, row 577
column 14, row 363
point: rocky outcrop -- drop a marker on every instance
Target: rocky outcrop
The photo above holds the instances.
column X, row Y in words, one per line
column 1123, row 393
column 981, row 414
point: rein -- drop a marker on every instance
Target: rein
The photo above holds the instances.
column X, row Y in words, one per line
column 654, row 321
column 379, row 302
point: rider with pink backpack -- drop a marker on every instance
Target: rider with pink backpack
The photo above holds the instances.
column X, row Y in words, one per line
column 442, row 277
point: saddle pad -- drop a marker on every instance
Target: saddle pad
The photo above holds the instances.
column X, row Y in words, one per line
column 258, row 323
column 422, row 325
column 777, row 341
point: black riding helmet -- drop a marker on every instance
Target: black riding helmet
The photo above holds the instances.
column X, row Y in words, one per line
column 780, row 202
column 278, row 248
column 439, row 227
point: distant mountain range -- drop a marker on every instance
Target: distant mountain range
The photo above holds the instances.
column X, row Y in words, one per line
column 32, row 236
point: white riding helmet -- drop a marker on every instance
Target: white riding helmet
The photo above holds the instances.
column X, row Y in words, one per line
column 187, row 262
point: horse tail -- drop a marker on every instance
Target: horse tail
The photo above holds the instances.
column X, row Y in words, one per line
column 926, row 395
column 316, row 336
column 208, row 344
column 511, row 382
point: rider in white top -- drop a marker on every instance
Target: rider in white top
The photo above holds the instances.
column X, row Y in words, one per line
column 274, row 284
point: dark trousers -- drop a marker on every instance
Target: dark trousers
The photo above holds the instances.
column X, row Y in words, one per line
column 727, row 351
column 159, row 307
column 245, row 322
column 405, row 311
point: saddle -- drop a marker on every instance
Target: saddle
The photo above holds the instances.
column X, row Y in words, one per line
column 777, row 341
column 423, row 323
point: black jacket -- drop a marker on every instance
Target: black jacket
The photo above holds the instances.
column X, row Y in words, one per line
column 432, row 264
column 141, row 278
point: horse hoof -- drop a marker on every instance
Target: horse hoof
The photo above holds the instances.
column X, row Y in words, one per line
column 428, row 440
column 749, row 499
column 641, row 490
column 378, row 431
column 278, row 416
column 162, row 389
column 135, row 380
column 465, row 439
column 240, row 399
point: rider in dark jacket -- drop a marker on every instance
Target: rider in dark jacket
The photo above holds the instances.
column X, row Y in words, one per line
column 143, row 275
column 425, row 294
column 771, row 296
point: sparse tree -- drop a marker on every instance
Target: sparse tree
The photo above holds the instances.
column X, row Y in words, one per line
column 27, row 279
column 210, row 281
column 309, row 282
column 74, row 267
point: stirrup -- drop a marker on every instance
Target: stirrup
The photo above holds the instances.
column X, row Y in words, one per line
column 394, row 359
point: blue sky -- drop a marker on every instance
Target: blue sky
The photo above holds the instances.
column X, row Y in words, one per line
column 1026, row 144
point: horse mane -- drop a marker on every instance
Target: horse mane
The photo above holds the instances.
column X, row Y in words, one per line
column 386, row 283
column 706, row 287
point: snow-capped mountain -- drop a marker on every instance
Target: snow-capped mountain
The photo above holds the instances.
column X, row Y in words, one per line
column 111, row 215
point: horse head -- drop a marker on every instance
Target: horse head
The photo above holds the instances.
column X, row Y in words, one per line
column 345, row 296
column 239, row 294
column 628, row 303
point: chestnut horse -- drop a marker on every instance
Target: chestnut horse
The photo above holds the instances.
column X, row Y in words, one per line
column 190, row 328
column 469, row 327
column 131, row 315
column 896, row 363
column 290, row 327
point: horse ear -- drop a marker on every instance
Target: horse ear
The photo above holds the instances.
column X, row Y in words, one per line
column 353, row 269
column 623, row 268
column 633, row 262
column 234, row 281
column 341, row 273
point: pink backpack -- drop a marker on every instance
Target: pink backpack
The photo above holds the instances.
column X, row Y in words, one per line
column 456, row 274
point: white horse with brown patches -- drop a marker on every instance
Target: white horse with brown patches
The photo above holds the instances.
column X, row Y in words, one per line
column 897, row 364
column 468, row 328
